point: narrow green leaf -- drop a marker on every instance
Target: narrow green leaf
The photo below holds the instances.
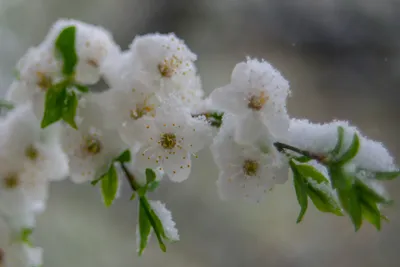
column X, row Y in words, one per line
column 82, row 88
column 301, row 191
column 323, row 201
column 339, row 179
column 69, row 109
column 309, row 171
column 368, row 192
column 387, row 175
column 53, row 106
column 351, row 152
column 352, row 205
column 339, row 144
column 109, row 185
column 371, row 212
column 155, row 222
column 150, row 176
column 124, row 157
column 153, row 186
column 302, row 159
column 144, row 228
column 133, row 196
column 65, row 45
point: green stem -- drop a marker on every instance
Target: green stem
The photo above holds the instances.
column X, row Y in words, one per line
column 143, row 202
column 281, row 147
column 6, row 104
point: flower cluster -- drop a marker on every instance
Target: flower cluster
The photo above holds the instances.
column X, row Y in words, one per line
column 151, row 121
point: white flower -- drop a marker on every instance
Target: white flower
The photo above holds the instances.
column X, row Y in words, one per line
column 161, row 58
column 169, row 139
column 124, row 108
column 29, row 157
column 22, row 255
column 257, row 96
column 165, row 217
column 162, row 63
column 37, row 71
column 92, row 147
column 93, row 45
column 246, row 171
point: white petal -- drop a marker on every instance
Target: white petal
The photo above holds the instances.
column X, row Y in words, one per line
column 148, row 157
column 229, row 100
column 249, row 129
column 177, row 165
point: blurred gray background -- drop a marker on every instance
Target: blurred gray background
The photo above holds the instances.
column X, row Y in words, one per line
column 342, row 58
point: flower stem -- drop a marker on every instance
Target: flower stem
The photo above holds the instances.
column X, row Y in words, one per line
column 6, row 104
column 144, row 203
column 131, row 178
column 281, row 147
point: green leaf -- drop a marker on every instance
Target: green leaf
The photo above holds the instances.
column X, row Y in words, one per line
column 109, row 185
column 69, row 109
column 323, row 201
column 339, row 179
column 153, row 186
column 25, row 235
column 368, row 192
column 65, row 45
column 155, row 222
column 144, row 228
column 82, row 88
column 301, row 191
column 352, row 205
column 351, row 152
column 53, row 106
column 6, row 104
column 339, row 144
column 133, row 196
column 302, row 159
column 387, row 175
column 150, row 176
column 371, row 212
column 124, row 157
column 309, row 171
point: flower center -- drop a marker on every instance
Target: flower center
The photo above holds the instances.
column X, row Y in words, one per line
column 168, row 140
column 250, row 167
column 93, row 145
column 44, row 81
column 31, row 153
column 140, row 111
column 11, row 181
column 168, row 67
column 257, row 102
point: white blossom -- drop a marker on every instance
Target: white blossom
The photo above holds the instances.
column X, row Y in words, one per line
column 257, row 95
column 93, row 44
column 93, row 146
column 165, row 217
column 29, row 157
column 22, row 255
column 169, row 139
column 246, row 171
column 160, row 62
